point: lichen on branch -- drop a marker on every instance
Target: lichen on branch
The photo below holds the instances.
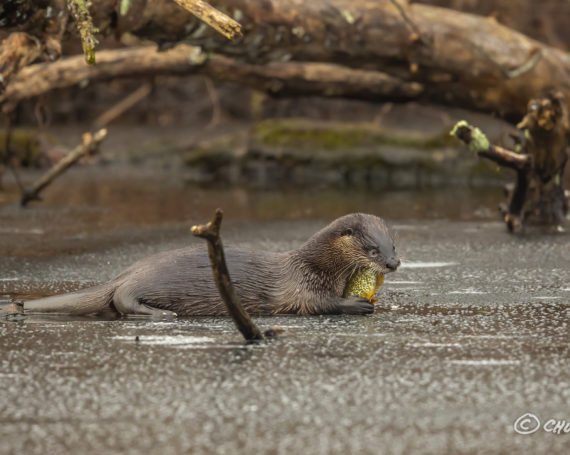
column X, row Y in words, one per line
column 473, row 137
column 478, row 143
column 80, row 13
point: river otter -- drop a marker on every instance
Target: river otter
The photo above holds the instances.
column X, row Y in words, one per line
column 308, row 280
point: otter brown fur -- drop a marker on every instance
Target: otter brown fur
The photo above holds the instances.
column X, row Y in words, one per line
column 308, row 280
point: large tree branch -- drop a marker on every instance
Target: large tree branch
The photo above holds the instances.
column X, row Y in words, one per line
column 278, row 78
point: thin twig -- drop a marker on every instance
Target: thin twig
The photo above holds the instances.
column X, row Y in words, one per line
column 89, row 146
column 215, row 101
column 527, row 66
column 534, row 57
column 124, row 105
column 411, row 24
column 219, row 21
column 8, row 150
column 211, row 233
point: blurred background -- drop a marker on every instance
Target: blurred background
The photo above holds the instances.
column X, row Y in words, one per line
column 218, row 132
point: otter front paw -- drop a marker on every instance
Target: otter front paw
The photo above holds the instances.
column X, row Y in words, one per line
column 355, row 305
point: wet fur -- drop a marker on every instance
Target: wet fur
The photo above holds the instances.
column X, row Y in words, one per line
column 307, row 280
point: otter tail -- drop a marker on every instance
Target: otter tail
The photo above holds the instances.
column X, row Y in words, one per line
column 96, row 299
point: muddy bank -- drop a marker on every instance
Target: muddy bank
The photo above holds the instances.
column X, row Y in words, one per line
column 310, row 152
column 310, row 143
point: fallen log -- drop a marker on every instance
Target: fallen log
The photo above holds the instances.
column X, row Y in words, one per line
column 462, row 59
column 456, row 58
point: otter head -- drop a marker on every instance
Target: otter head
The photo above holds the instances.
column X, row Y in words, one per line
column 353, row 242
column 367, row 242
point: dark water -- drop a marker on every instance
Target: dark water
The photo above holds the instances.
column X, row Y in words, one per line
column 471, row 333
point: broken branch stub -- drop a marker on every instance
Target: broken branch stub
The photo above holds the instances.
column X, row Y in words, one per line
column 220, row 22
column 80, row 13
column 211, row 233
column 478, row 143
column 538, row 194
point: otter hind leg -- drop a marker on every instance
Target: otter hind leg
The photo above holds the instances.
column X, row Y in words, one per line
column 126, row 303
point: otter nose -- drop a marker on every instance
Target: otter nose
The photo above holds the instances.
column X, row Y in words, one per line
column 393, row 264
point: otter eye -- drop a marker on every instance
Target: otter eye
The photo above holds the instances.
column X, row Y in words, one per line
column 347, row 231
column 373, row 252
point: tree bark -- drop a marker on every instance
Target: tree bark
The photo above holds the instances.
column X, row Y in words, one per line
column 16, row 51
column 544, row 20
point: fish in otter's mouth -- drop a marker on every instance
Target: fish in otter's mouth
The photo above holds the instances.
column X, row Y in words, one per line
column 363, row 283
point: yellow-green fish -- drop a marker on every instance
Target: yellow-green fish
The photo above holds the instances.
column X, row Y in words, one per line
column 364, row 283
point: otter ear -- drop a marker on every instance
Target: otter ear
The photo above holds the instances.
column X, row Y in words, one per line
column 347, row 231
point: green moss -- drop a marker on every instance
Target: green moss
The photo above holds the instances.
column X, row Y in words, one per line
column 318, row 136
column 355, row 153
column 24, row 147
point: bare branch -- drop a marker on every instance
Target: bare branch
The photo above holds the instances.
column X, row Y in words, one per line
column 277, row 78
column 124, row 105
column 411, row 24
column 211, row 233
column 89, row 146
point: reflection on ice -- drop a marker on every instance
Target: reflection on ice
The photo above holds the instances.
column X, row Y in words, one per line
column 426, row 265
column 485, row 362
column 166, row 339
